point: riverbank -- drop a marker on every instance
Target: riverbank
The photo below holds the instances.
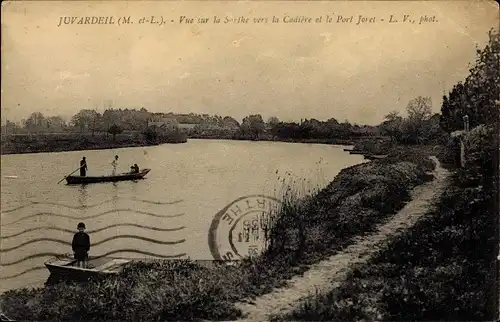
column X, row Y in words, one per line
column 306, row 231
column 321, row 277
column 20, row 144
column 444, row 267
column 331, row 141
column 433, row 271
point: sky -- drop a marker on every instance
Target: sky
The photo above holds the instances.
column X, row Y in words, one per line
column 289, row 70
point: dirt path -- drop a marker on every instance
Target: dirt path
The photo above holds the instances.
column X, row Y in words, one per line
column 335, row 268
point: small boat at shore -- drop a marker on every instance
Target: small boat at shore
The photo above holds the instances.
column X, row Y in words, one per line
column 96, row 266
column 375, row 156
column 357, row 152
column 113, row 178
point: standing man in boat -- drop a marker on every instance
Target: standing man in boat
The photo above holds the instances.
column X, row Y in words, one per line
column 81, row 246
column 83, row 167
column 115, row 164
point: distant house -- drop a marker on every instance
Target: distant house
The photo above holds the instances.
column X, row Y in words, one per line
column 165, row 124
column 187, row 126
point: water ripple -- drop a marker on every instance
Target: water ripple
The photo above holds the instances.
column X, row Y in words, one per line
column 125, row 250
column 95, row 230
column 36, row 268
column 96, row 215
column 91, row 206
column 59, row 241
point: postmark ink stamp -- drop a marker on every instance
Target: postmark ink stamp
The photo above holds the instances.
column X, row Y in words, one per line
column 240, row 229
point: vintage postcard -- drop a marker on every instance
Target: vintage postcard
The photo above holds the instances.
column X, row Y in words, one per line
column 249, row 160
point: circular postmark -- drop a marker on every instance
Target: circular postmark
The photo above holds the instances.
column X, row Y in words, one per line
column 240, row 229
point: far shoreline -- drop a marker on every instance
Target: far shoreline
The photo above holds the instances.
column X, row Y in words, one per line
column 107, row 145
column 72, row 143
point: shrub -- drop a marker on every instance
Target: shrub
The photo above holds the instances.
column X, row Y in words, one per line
column 480, row 152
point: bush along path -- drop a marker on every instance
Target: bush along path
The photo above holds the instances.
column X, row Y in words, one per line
column 335, row 269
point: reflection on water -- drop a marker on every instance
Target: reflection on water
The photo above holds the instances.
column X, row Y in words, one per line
column 83, row 196
column 166, row 215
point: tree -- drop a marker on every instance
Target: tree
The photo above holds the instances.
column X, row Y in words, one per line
column 393, row 116
column 10, row 127
column 231, row 122
column 114, row 130
column 475, row 97
column 87, row 119
column 109, row 117
column 34, row 122
column 432, row 131
column 56, row 123
column 419, row 109
column 273, row 121
column 253, row 124
column 392, row 125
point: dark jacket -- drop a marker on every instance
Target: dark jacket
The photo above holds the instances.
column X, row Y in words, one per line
column 81, row 242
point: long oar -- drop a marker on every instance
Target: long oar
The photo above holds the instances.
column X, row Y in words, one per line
column 69, row 175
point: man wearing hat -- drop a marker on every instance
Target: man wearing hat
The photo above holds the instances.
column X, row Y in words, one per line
column 81, row 246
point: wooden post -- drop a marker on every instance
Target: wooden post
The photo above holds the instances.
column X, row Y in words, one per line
column 462, row 143
column 495, row 202
column 466, row 123
column 462, row 152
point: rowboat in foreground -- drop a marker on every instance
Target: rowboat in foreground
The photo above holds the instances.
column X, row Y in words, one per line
column 96, row 266
column 112, row 178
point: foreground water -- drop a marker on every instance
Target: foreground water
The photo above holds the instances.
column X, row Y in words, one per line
column 167, row 215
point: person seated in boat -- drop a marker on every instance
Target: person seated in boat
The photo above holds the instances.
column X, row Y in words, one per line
column 81, row 246
column 134, row 168
column 83, row 167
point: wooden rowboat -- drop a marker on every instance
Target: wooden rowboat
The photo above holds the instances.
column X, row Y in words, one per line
column 357, row 152
column 375, row 156
column 96, row 266
column 119, row 177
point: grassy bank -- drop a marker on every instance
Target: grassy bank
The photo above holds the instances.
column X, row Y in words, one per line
column 305, row 231
column 76, row 142
column 443, row 268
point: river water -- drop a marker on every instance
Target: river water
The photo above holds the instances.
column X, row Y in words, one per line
column 167, row 215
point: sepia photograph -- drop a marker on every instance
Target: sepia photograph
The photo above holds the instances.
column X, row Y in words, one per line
column 250, row 160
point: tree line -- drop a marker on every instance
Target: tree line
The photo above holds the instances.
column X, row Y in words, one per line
column 118, row 120
column 417, row 128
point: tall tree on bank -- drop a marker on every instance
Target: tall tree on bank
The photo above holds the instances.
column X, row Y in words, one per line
column 419, row 109
column 34, row 122
column 476, row 96
column 253, row 124
column 87, row 119
column 392, row 125
column 114, row 130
